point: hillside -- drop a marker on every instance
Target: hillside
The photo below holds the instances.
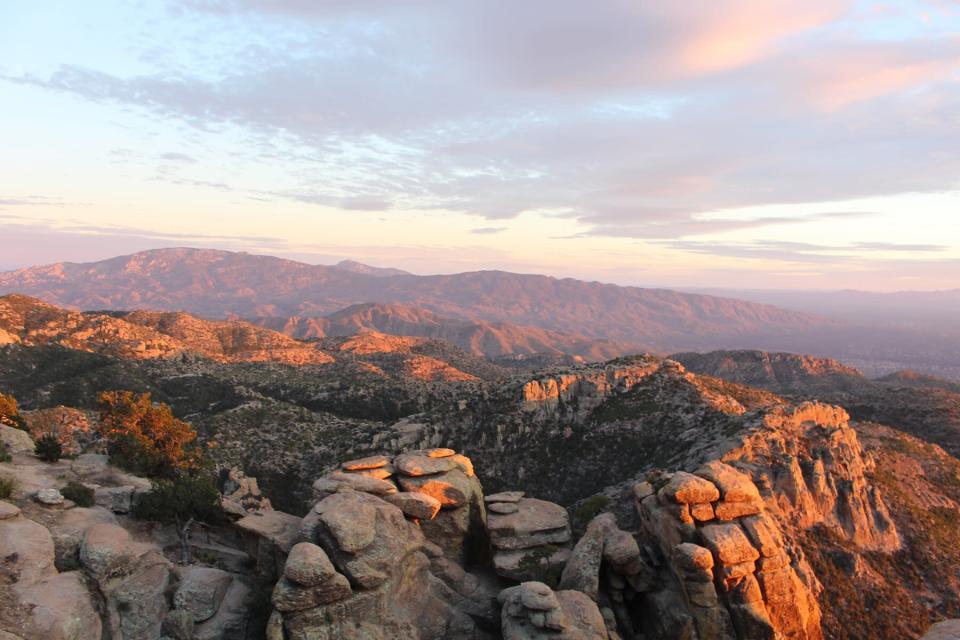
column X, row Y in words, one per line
column 223, row 284
column 853, row 516
column 487, row 339
column 141, row 335
column 923, row 406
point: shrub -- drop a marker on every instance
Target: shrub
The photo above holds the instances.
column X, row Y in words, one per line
column 48, row 448
column 6, row 487
column 182, row 501
column 79, row 493
column 144, row 437
column 10, row 414
column 4, row 452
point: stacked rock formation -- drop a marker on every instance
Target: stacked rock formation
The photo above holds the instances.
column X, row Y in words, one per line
column 436, row 487
column 364, row 568
column 530, row 538
column 533, row 611
column 737, row 575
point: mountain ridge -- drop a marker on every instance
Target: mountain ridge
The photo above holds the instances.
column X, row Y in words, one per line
column 217, row 283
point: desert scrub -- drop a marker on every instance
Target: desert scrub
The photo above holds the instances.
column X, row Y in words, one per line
column 48, row 448
column 6, row 487
column 4, row 452
column 79, row 493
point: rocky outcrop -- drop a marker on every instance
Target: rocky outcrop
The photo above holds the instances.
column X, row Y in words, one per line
column 533, row 611
column 530, row 538
column 588, row 387
column 729, row 564
column 240, row 494
column 810, row 468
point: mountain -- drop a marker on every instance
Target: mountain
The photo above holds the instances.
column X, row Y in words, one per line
column 359, row 267
column 780, row 372
column 143, row 335
column 489, row 339
column 224, row 284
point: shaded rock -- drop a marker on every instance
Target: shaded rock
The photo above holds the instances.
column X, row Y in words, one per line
column 504, row 496
column 946, row 630
column 27, row 551
column 106, row 549
column 542, row 563
column 308, row 565
column 349, row 519
column 17, row 440
column 50, row 497
column 69, row 529
column 289, row 596
column 60, row 608
column 8, row 510
column 334, row 482
column 201, row 591
column 536, row 522
column 503, row 507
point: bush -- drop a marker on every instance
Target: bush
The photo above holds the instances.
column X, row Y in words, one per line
column 6, row 487
column 182, row 501
column 48, row 448
column 10, row 414
column 79, row 493
column 4, row 452
column 144, row 437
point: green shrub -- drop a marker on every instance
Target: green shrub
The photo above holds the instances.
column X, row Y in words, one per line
column 4, row 452
column 182, row 501
column 48, row 448
column 79, row 493
column 6, row 487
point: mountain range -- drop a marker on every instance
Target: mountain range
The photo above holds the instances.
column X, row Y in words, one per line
column 498, row 314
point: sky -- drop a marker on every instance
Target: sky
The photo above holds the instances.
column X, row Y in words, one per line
column 808, row 144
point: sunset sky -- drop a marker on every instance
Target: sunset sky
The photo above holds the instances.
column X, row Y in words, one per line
column 757, row 144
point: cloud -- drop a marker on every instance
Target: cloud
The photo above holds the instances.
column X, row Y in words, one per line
column 639, row 120
column 488, row 230
column 802, row 252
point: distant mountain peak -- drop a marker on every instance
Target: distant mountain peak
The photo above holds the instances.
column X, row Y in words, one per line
column 380, row 272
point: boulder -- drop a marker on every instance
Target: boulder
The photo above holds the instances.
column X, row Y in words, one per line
column 582, row 570
column 106, row 549
column 338, row 480
column 452, row 488
column 503, row 507
column 734, row 485
column 8, row 510
column 686, row 488
column 27, row 551
column 415, row 464
column 505, row 496
column 60, row 608
column 363, row 536
column 201, row 591
column 728, row 543
column 17, row 440
column 231, row 619
column 50, row 497
column 533, row 611
column 946, row 630
column 308, row 565
column 416, row 505
column 69, row 529
column 536, row 522
column 370, row 462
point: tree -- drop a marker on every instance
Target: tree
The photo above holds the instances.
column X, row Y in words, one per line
column 182, row 500
column 145, row 437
